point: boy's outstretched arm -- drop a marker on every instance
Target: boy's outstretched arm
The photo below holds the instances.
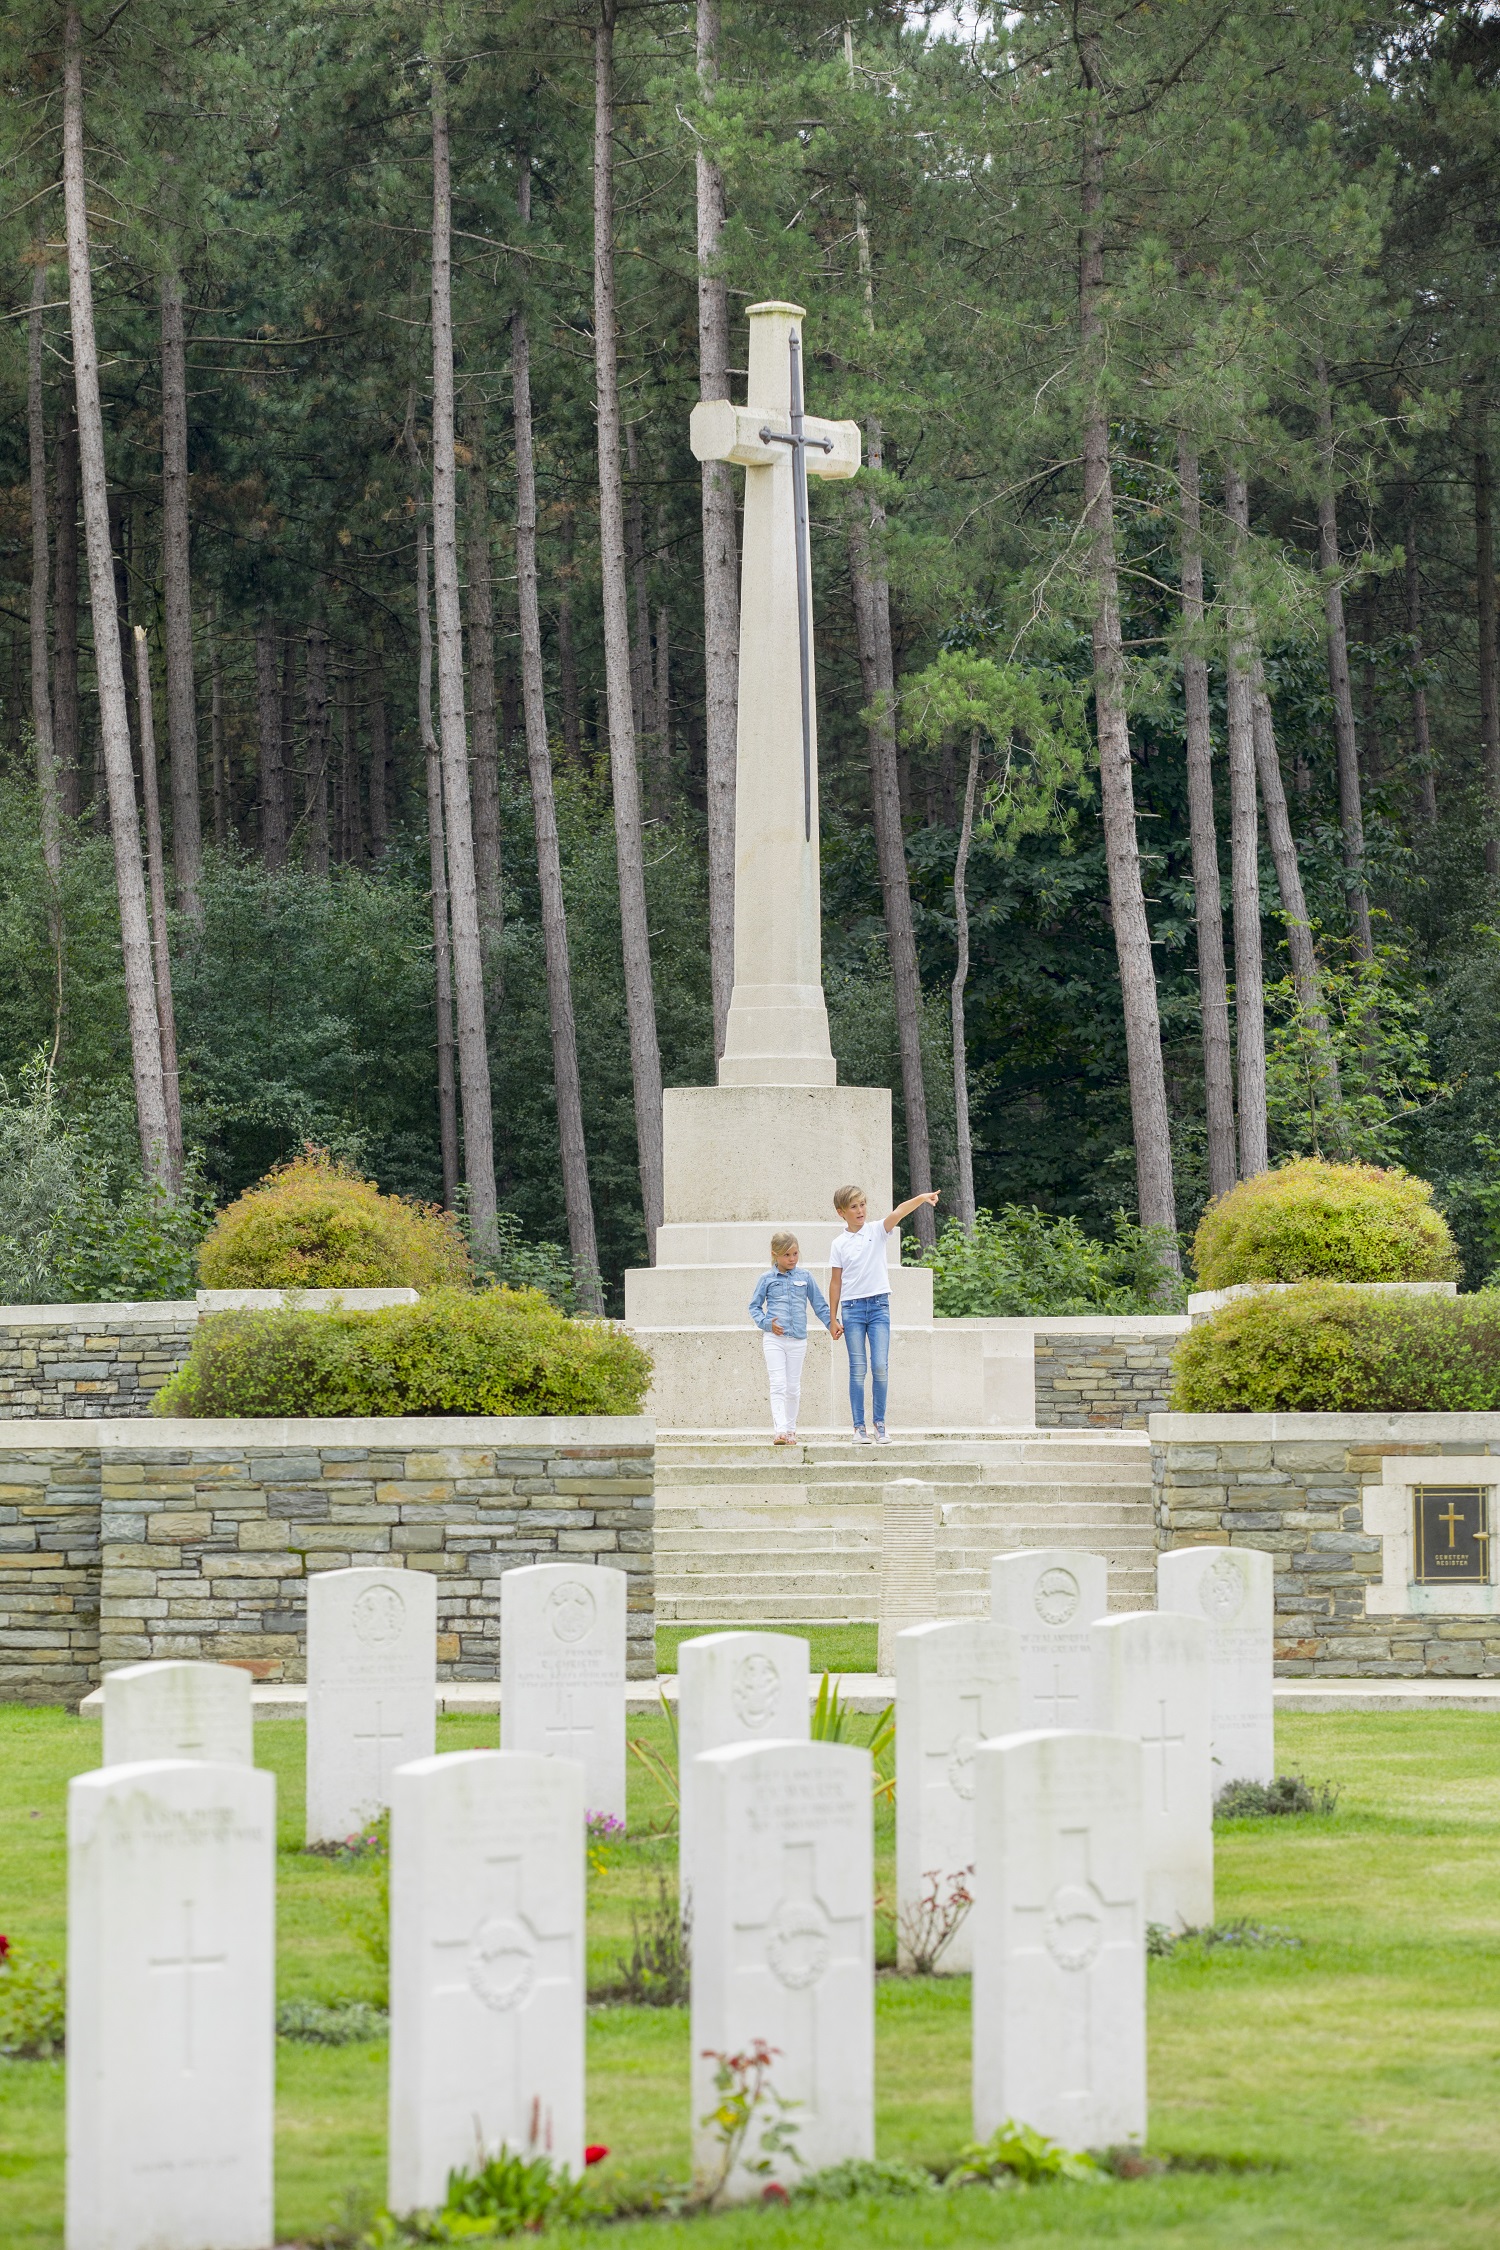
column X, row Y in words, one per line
column 905, row 1210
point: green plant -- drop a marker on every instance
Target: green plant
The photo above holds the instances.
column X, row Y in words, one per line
column 654, row 1974
column 663, row 1770
column 1313, row 1221
column 33, row 2010
column 1240, row 1935
column 1017, row 2155
column 929, row 1924
column 504, row 2195
column 1021, row 1264
column 1287, row 1795
column 743, row 2085
column 348, row 2023
column 367, row 1916
column 860, row 2175
column 1323, row 1349
column 315, row 1224
column 515, row 1263
column 488, row 1351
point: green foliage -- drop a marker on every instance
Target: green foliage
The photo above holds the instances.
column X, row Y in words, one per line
column 1017, row 2155
column 1032, row 717
column 1310, row 1220
column 350, row 2023
column 315, row 1224
column 489, row 1351
column 1323, row 1348
column 863, row 2175
column 1286, row 1797
column 1024, row 1264
column 1240, row 1935
column 655, row 1971
column 1377, row 1018
column 515, row 1263
column 33, row 2010
column 503, row 2195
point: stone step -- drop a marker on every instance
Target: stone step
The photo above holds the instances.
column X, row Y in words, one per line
column 871, row 1478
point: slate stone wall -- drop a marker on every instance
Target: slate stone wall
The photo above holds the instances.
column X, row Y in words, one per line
column 87, row 1360
column 1295, row 1485
column 197, row 1538
column 1111, row 1375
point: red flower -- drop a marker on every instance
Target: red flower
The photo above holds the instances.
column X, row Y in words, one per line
column 774, row 2192
column 595, row 2153
column 4, row 1947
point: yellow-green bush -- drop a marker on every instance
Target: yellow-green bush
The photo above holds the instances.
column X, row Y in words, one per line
column 1323, row 1348
column 1312, row 1221
column 487, row 1351
column 313, row 1224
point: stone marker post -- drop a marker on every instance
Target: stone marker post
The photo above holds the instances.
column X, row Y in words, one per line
column 1052, row 1595
column 178, row 1708
column 1233, row 1589
column 908, row 1562
column 562, row 1671
column 783, row 1952
column 487, row 1966
column 171, row 2007
column 371, row 1691
column 1059, row 1942
column 1151, row 1682
column 957, row 1683
column 732, row 1687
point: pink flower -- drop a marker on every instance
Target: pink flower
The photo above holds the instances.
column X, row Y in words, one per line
column 774, row 2192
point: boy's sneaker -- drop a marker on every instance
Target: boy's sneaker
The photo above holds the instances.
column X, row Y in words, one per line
column 880, row 1436
column 861, row 1435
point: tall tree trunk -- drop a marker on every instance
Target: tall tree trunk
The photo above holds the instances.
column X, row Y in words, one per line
column 182, row 708
column 1489, row 642
column 316, row 704
column 156, row 863
column 635, row 932
column 216, row 736
column 484, row 761
column 351, row 827
column 642, row 694
column 379, row 751
column 964, row 1135
column 1148, row 1084
column 273, row 837
column 463, row 898
column 567, row 653
column 1351, row 809
column 135, row 937
column 721, row 562
column 65, row 738
column 1306, row 980
column 289, row 813
column 661, row 772
column 1421, row 727
column 1213, row 998
column 437, row 860
column 582, row 1243
column 1244, row 842
column 49, row 801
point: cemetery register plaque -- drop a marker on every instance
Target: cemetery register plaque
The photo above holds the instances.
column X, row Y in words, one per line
column 1452, row 1534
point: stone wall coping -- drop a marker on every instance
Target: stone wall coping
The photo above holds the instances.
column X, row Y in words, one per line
column 98, row 1316
column 382, row 1433
column 1243, row 1429
column 1074, row 1324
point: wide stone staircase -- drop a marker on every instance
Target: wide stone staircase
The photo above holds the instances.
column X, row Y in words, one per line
column 750, row 1533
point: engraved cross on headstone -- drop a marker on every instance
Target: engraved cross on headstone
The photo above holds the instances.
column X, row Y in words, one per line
column 797, row 1943
column 188, row 1964
column 570, row 1738
column 1073, row 1925
column 382, row 1737
column 1056, row 1697
column 1161, row 1744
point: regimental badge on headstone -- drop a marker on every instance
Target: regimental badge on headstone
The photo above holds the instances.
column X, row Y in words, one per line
column 1452, row 1534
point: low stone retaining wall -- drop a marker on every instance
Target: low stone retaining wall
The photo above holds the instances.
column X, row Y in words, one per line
column 120, row 1541
column 88, row 1360
column 1329, row 1496
column 1103, row 1374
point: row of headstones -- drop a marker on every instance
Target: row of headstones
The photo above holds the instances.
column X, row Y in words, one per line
column 172, row 1893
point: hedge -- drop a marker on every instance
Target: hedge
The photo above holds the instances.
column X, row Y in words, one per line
column 491, row 1351
column 1327, row 1349
column 314, row 1224
column 1023, row 1264
column 1313, row 1221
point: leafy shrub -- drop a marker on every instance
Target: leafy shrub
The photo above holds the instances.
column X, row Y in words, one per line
column 1286, row 1797
column 863, row 2175
column 33, row 2013
column 1239, row 1936
column 515, row 1263
column 1322, row 1349
column 315, row 1224
column 1019, row 2155
column 349, row 2023
column 654, row 1974
column 1314, row 1221
column 1022, row 1264
column 504, row 2195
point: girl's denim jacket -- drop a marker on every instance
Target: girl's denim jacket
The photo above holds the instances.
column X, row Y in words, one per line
column 786, row 1297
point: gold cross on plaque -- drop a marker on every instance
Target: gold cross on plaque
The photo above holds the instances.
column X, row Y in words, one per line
column 1452, row 1519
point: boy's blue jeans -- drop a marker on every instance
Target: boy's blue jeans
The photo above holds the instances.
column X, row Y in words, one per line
column 867, row 1325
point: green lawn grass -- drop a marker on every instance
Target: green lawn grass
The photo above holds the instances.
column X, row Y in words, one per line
column 1359, row 2076
column 830, row 1648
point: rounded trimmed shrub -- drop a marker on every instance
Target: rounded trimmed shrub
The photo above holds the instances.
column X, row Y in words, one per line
column 1322, row 1348
column 458, row 1351
column 1313, row 1221
column 314, row 1224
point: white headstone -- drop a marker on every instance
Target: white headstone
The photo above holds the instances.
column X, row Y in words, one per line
column 908, row 1562
column 1052, row 1595
column 1151, row 1682
column 1059, row 1941
column 733, row 1687
column 1233, row 1589
column 178, row 1709
column 957, row 1683
column 562, row 1672
column 371, row 1691
column 783, row 1950
column 488, row 1979
column 171, row 2007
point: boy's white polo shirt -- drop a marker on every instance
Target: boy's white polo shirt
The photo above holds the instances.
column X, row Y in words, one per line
column 862, row 1256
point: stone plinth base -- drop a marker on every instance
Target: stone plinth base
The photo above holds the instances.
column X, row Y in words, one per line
column 773, row 1153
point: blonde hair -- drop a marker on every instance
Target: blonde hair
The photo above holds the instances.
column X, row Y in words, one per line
column 781, row 1243
column 844, row 1196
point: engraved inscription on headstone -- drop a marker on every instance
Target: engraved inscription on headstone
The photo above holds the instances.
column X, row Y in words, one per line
column 1051, row 1595
column 371, row 1691
column 1452, row 1534
column 1152, row 1683
column 957, row 1683
column 171, row 2002
column 733, row 1687
column 1232, row 1590
column 177, row 1708
column 487, row 1965
column 783, row 1947
column 562, row 1671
